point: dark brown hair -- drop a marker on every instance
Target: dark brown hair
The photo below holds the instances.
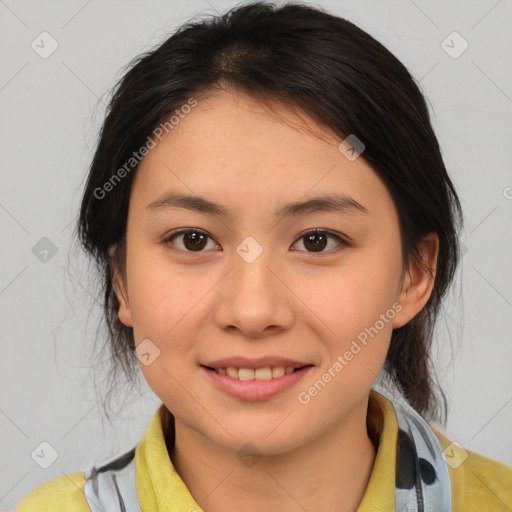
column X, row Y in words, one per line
column 324, row 66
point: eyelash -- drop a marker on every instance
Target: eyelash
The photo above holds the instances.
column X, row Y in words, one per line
column 173, row 234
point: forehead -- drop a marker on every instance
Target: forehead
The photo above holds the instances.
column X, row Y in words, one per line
column 242, row 153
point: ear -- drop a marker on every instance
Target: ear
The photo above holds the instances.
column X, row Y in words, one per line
column 124, row 312
column 418, row 282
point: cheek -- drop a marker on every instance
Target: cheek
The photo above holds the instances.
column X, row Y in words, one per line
column 349, row 302
column 165, row 304
column 161, row 298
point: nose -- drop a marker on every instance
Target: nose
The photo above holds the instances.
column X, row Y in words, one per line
column 254, row 297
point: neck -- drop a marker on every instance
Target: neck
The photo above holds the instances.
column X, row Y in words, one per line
column 329, row 473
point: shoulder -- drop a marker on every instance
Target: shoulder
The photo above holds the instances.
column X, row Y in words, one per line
column 478, row 482
column 62, row 493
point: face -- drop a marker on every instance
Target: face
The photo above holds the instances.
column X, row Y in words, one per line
column 251, row 283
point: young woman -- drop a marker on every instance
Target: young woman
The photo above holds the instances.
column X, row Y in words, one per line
column 275, row 230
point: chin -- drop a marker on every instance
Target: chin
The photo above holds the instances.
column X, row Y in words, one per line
column 255, row 440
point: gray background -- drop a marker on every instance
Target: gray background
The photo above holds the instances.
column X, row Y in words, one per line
column 51, row 110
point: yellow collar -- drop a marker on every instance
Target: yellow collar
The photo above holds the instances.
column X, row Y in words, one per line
column 159, row 485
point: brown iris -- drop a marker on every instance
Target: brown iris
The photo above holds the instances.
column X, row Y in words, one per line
column 315, row 241
column 197, row 240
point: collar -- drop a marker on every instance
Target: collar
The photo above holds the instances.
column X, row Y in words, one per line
column 409, row 473
column 401, row 433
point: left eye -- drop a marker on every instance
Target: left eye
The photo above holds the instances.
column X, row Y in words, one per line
column 194, row 240
column 318, row 240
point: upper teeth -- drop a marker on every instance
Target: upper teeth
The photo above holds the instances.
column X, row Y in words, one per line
column 265, row 373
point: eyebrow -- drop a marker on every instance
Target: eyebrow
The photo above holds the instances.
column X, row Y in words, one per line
column 337, row 203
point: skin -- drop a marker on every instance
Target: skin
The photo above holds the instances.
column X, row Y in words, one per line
column 200, row 306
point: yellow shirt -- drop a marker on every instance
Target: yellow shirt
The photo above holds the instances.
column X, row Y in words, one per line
column 478, row 483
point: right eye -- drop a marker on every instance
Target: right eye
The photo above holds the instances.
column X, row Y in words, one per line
column 193, row 240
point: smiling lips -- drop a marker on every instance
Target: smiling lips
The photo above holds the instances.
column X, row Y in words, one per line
column 255, row 379
column 265, row 368
column 265, row 373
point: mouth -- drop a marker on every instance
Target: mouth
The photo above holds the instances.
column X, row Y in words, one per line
column 264, row 373
column 263, row 383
